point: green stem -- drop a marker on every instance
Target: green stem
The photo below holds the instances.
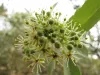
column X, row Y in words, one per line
column 37, row 72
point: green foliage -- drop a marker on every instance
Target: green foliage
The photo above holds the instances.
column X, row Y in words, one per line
column 71, row 68
column 51, row 67
column 88, row 15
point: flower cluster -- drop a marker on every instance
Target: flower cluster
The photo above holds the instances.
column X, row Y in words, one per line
column 47, row 38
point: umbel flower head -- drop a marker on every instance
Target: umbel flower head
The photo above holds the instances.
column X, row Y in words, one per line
column 47, row 38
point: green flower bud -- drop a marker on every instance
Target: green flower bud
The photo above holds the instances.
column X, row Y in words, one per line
column 54, row 35
column 52, row 40
column 51, row 22
column 71, row 42
column 75, row 45
column 56, row 13
column 73, row 33
column 72, row 38
column 79, row 46
column 49, row 37
column 50, row 30
column 48, row 14
column 69, row 47
column 50, row 7
column 64, row 19
column 39, row 33
column 26, row 22
column 57, row 45
column 46, row 32
column 76, row 38
column 61, row 30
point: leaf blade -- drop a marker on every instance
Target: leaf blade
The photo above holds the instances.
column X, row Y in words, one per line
column 71, row 69
column 88, row 15
column 74, row 70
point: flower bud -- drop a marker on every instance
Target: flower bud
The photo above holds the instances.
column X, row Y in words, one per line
column 57, row 45
column 69, row 47
column 79, row 46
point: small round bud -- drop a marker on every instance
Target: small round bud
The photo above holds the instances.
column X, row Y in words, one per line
column 56, row 13
column 52, row 40
column 26, row 22
column 76, row 38
column 50, row 30
column 69, row 47
column 57, row 45
column 49, row 37
column 75, row 45
column 46, row 32
column 50, row 7
column 48, row 14
column 51, row 22
column 39, row 33
column 72, row 38
column 41, row 40
column 73, row 33
column 54, row 35
column 79, row 46
column 71, row 42
column 64, row 19
column 61, row 30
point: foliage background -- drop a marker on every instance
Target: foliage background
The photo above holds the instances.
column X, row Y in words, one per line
column 11, row 62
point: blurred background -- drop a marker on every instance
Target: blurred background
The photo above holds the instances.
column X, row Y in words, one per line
column 12, row 15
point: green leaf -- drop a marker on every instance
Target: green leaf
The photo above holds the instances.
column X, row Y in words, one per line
column 66, row 69
column 88, row 15
column 51, row 67
column 72, row 69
